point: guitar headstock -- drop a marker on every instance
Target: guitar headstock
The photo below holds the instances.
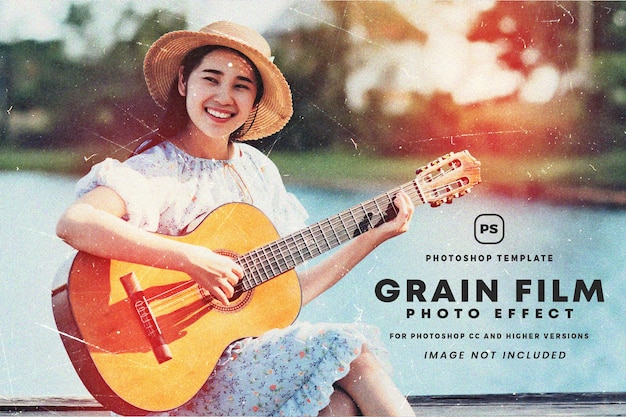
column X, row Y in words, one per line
column 448, row 177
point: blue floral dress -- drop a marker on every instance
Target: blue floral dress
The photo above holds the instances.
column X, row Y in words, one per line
column 287, row 371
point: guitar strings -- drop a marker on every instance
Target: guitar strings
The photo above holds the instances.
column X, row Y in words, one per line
column 176, row 295
column 327, row 228
column 171, row 290
column 317, row 238
column 265, row 262
column 323, row 236
column 170, row 302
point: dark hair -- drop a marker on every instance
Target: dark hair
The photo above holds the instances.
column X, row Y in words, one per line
column 176, row 118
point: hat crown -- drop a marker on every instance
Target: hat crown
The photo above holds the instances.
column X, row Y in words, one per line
column 239, row 33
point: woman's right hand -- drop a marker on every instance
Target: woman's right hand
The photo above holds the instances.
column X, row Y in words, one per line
column 94, row 224
column 218, row 274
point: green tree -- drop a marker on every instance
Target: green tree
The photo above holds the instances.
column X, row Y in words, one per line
column 116, row 109
column 313, row 62
column 99, row 103
column 79, row 16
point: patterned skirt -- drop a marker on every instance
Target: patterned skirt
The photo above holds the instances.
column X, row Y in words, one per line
column 285, row 372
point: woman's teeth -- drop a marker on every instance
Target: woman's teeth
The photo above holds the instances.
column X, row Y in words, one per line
column 218, row 114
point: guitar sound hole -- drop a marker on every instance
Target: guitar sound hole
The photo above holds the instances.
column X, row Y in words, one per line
column 239, row 299
column 236, row 295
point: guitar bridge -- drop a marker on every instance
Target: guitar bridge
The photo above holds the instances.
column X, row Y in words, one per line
column 149, row 324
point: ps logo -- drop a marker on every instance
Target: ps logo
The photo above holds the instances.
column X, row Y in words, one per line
column 489, row 229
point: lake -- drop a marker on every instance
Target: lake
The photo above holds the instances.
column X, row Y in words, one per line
column 566, row 263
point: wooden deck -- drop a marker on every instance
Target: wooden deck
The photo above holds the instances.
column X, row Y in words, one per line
column 578, row 404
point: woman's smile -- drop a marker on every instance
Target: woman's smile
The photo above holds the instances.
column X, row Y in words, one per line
column 220, row 115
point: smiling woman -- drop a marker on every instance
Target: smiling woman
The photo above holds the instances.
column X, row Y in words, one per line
column 219, row 87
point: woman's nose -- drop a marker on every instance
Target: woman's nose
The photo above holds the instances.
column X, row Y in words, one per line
column 223, row 95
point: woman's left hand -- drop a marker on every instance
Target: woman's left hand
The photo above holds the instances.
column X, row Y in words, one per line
column 401, row 222
column 327, row 273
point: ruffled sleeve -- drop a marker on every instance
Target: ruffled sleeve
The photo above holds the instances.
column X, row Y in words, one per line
column 144, row 195
column 283, row 208
column 287, row 207
column 293, row 212
column 165, row 189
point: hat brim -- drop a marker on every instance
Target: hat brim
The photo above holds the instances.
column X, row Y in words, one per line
column 166, row 54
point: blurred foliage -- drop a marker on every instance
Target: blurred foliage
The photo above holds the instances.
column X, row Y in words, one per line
column 78, row 16
column 47, row 160
column 100, row 103
column 609, row 31
column 607, row 106
column 313, row 62
column 584, row 118
column 545, row 26
column 97, row 103
column 328, row 170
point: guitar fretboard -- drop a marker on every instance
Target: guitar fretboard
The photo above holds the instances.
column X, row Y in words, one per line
column 284, row 254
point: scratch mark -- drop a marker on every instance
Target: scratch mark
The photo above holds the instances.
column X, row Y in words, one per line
column 6, row 364
column 356, row 146
column 271, row 147
column 324, row 22
column 359, row 318
column 568, row 12
column 77, row 339
column 129, row 146
column 35, row 231
column 469, row 135
column 119, row 146
column 72, row 337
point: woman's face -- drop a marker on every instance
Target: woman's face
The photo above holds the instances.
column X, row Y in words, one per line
column 220, row 93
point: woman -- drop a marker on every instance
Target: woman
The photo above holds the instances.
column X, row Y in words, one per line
column 219, row 87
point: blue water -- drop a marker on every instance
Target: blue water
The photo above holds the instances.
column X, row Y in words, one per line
column 585, row 244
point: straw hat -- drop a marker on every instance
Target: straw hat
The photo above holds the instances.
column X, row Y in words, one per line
column 166, row 54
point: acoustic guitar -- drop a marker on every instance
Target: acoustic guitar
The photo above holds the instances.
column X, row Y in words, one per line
column 144, row 339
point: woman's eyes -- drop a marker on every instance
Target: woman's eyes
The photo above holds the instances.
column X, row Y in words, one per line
column 213, row 80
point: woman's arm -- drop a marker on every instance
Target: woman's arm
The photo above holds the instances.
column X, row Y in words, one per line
column 327, row 273
column 94, row 224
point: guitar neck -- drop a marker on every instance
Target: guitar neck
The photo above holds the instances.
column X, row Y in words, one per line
column 284, row 254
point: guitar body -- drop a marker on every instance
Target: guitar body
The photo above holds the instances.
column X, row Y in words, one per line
column 109, row 346
column 145, row 339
